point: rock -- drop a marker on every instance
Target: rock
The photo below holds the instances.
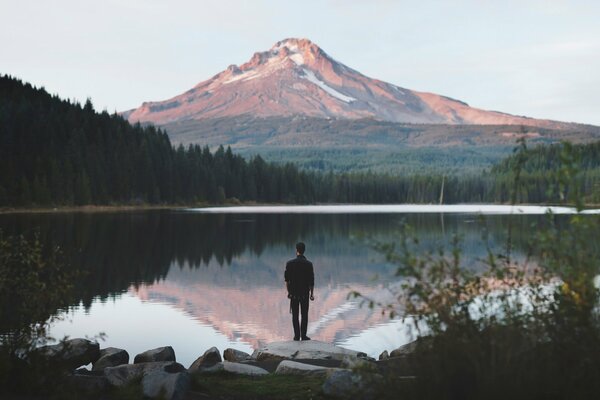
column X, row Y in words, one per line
column 159, row 354
column 234, row 355
column 288, row 367
column 123, row 374
column 210, row 358
column 398, row 366
column 343, row 383
column 404, row 350
column 312, row 349
column 88, row 383
column 364, row 356
column 243, row 369
column 410, row 348
column 384, row 355
column 111, row 357
column 208, row 370
column 73, row 353
column 165, row 385
column 358, row 364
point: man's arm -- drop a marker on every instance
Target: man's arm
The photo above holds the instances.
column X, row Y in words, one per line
column 287, row 280
column 312, row 282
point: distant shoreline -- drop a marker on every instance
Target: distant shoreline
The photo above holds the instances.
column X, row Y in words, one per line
column 149, row 207
column 87, row 209
column 96, row 208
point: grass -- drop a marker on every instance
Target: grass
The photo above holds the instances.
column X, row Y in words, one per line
column 224, row 385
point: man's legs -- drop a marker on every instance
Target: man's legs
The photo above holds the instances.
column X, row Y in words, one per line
column 294, row 303
column 304, row 312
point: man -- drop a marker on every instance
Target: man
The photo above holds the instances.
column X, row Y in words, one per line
column 300, row 282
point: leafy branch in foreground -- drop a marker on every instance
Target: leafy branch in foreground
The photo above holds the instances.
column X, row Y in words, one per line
column 34, row 283
column 509, row 325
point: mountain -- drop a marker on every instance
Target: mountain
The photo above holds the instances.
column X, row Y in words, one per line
column 295, row 103
column 296, row 77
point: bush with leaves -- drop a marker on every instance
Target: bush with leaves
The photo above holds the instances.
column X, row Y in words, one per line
column 514, row 326
column 34, row 283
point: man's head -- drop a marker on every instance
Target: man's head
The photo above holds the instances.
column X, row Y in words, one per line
column 300, row 247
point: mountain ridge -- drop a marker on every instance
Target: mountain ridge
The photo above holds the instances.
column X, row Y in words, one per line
column 296, row 77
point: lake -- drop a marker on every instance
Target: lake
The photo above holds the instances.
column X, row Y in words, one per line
column 199, row 278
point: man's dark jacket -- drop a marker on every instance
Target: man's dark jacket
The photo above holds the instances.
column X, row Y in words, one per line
column 300, row 276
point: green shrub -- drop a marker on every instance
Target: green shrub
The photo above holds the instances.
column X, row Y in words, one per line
column 525, row 326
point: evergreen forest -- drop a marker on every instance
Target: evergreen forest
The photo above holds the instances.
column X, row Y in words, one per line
column 55, row 152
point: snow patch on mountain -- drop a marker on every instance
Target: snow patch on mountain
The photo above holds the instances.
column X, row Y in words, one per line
column 271, row 65
column 276, row 83
column 310, row 76
column 297, row 58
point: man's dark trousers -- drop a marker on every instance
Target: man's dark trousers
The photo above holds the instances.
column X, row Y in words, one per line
column 302, row 303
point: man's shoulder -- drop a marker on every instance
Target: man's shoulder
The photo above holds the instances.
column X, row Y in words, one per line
column 292, row 261
column 298, row 260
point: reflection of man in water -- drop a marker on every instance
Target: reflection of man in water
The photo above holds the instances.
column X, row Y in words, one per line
column 299, row 281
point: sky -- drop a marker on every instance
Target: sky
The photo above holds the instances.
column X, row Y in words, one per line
column 539, row 58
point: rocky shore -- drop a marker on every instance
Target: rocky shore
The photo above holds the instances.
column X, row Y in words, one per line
column 345, row 373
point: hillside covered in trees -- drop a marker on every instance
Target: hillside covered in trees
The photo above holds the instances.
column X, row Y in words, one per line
column 56, row 152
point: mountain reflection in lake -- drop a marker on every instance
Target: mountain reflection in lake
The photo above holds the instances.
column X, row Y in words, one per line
column 193, row 281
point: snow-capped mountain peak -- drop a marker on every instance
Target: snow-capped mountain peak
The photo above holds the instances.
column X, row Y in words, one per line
column 296, row 77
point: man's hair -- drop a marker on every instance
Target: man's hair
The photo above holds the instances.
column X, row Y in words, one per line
column 300, row 247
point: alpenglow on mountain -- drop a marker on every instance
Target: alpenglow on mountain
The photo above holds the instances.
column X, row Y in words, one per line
column 296, row 77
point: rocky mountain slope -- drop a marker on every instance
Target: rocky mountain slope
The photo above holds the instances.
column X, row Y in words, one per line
column 296, row 77
column 295, row 95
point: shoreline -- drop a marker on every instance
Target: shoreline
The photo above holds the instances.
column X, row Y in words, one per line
column 150, row 207
column 88, row 209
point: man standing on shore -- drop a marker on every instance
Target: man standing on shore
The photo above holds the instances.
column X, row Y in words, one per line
column 300, row 282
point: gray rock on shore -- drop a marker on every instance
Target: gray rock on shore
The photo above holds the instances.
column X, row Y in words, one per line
column 243, row 369
column 73, row 353
column 88, row 383
column 111, row 357
column 155, row 355
column 312, row 349
column 409, row 348
column 359, row 364
column 164, row 385
column 234, row 355
column 289, row 367
column 124, row 374
column 351, row 385
column 209, row 359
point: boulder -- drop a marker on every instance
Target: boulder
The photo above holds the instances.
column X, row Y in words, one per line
column 234, row 355
column 89, row 384
column 364, row 356
column 343, row 383
column 210, row 358
column 73, row 353
column 291, row 350
column 358, row 364
column 410, row 348
column 404, row 350
column 124, row 374
column 288, row 367
column 243, row 369
column 208, row 370
column 398, row 366
column 159, row 354
column 384, row 355
column 165, row 385
column 111, row 357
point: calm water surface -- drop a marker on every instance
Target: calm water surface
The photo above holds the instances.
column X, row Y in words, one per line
column 194, row 280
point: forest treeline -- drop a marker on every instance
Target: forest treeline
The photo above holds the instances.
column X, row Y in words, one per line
column 58, row 152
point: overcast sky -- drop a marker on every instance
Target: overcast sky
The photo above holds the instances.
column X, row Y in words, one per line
column 525, row 57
